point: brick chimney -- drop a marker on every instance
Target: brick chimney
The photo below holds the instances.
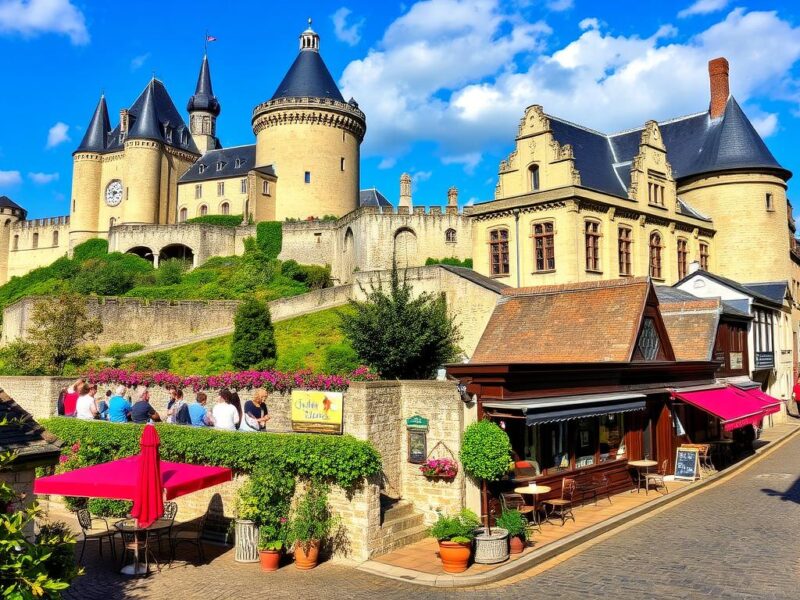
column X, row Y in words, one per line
column 720, row 89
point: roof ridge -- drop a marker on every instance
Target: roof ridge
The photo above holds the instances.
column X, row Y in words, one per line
column 579, row 126
column 659, row 123
column 576, row 286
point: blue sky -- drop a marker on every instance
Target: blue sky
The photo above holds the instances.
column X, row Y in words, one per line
column 443, row 82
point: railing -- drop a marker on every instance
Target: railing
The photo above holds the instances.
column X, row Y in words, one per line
column 765, row 360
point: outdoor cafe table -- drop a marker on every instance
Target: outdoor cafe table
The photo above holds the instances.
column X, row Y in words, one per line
column 534, row 490
column 724, row 450
column 140, row 536
column 639, row 465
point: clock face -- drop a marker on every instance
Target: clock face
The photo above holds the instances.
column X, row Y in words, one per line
column 114, row 192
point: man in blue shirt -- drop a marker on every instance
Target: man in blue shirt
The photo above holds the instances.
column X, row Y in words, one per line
column 142, row 411
column 119, row 408
column 197, row 411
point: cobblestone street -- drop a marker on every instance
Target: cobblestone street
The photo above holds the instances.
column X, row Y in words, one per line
column 739, row 539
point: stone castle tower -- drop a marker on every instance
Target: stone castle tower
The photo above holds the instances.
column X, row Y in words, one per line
column 204, row 108
column 312, row 139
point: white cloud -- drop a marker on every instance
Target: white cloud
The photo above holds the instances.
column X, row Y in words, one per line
column 57, row 134
column 470, row 160
column 43, row 178
column 137, row 62
column 33, row 17
column 425, row 82
column 472, row 201
column 387, row 163
column 589, row 23
column 420, row 176
column 560, row 5
column 9, row 178
column 349, row 34
column 703, row 7
column 766, row 124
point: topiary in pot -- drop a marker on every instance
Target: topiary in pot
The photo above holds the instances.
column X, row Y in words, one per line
column 455, row 534
column 514, row 523
column 485, row 454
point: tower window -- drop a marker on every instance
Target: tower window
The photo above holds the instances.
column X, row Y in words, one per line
column 183, row 215
column 450, row 236
column 225, row 208
column 624, row 249
column 544, row 246
column 35, row 241
column 265, row 188
column 592, row 235
column 55, row 238
column 243, row 188
column 198, row 191
column 769, row 203
column 220, row 188
column 534, row 175
column 203, row 210
column 498, row 251
column 655, row 256
column 308, row 177
column 341, row 163
column 16, row 243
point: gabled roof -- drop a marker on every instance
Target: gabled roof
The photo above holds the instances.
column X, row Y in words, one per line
column 668, row 295
column 695, row 145
column 96, row 136
column 308, row 77
column 691, row 322
column 6, row 202
column 203, row 98
column 590, row 322
column 24, row 436
column 235, row 161
column 372, row 197
column 746, row 290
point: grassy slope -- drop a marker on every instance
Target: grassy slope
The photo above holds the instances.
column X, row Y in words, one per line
column 301, row 341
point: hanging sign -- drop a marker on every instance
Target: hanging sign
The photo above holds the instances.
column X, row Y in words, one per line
column 417, row 422
column 687, row 463
column 317, row 411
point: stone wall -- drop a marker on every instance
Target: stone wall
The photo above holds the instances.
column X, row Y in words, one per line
column 36, row 243
column 37, row 395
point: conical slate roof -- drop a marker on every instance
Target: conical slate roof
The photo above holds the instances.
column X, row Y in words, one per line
column 204, row 98
column 146, row 125
column 308, row 77
column 97, row 133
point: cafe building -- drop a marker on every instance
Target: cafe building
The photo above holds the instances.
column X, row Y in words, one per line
column 584, row 378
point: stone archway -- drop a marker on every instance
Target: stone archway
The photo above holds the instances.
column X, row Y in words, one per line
column 142, row 252
column 405, row 248
column 348, row 256
column 177, row 251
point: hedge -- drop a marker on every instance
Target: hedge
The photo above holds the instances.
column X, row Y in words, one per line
column 453, row 262
column 221, row 220
column 269, row 237
column 341, row 460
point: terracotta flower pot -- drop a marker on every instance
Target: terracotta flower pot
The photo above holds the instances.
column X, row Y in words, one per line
column 270, row 559
column 306, row 555
column 516, row 544
column 455, row 556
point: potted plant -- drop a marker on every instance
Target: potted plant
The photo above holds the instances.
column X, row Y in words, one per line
column 310, row 524
column 455, row 534
column 485, row 454
column 514, row 523
column 270, row 545
column 246, row 528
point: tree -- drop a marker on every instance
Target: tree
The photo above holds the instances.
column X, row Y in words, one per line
column 60, row 327
column 253, row 345
column 485, row 454
column 401, row 336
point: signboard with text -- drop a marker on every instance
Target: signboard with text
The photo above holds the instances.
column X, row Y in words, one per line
column 317, row 411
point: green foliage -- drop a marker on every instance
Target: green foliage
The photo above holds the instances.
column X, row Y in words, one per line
column 103, row 507
column 453, row 262
column 314, row 276
column 271, row 537
column 400, row 336
column 459, row 527
column 153, row 361
column 61, row 564
column 94, row 248
column 269, row 237
column 311, row 519
column 485, row 451
column 265, row 498
column 340, row 358
column 20, row 358
column 98, row 276
column 512, row 521
column 220, row 220
column 118, row 351
column 253, row 344
column 340, row 460
column 170, row 272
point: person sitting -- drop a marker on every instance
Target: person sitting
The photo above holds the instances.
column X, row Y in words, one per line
column 71, row 398
column 142, row 411
column 236, row 402
column 119, row 409
column 256, row 414
column 198, row 415
column 102, row 405
column 176, row 403
column 224, row 413
column 85, row 406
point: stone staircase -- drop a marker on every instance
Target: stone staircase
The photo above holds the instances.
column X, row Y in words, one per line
column 400, row 525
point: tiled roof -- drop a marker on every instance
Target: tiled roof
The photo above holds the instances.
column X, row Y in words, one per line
column 372, row 197
column 476, row 278
column 308, row 77
column 235, row 161
column 591, row 322
column 24, row 436
column 691, row 325
column 6, row 202
column 774, row 290
column 695, row 144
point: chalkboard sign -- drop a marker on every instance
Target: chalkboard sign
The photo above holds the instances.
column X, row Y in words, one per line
column 687, row 463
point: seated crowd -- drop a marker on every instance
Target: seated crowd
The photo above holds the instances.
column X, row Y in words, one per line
column 133, row 406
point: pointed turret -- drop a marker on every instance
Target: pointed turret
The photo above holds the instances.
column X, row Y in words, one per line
column 97, row 133
column 204, row 98
column 146, row 125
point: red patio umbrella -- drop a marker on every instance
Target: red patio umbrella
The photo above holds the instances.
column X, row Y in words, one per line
column 148, row 501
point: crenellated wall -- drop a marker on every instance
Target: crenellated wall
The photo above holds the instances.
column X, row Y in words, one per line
column 36, row 243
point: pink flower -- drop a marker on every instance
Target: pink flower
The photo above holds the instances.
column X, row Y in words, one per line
column 76, row 446
column 63, row 458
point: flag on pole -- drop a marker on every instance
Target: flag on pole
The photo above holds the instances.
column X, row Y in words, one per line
column 210, row 38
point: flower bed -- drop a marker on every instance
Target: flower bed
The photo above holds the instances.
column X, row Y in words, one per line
column 273, row 381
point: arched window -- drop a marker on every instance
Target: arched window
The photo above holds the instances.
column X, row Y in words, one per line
column 183, row 215
column 544, row 246
column 16, row 243
column 450, row 236
column 683, row 257
column 35, row 243
column 225, row 208
column 655, row 255
column 498, row 251
column 533, row 172
column 203, row 210
column 592, row 235
column 55, row 238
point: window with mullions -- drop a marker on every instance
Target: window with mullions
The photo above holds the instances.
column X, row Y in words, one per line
column 625, row 251
column 704, row 256
column 592, row 229
column 655, row 256
column 544, row 246
column 498, row 251
column 762, row 328
column 649, row 342
column 683, row 257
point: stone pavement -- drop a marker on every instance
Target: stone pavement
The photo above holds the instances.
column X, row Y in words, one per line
column 737, row 539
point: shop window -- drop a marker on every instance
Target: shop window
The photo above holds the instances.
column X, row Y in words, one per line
column 704, row 256
column 534, row 177
column 585, row 440
column 611, row 438
column 624, row 246
column 555, row 447
column 450, row 236
column 498, row 251
column 544, row 246
column 655, row 255
column 683, row 257
column 592, row 229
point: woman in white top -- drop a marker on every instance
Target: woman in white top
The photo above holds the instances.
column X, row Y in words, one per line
column 85, row 407
column 224, row 413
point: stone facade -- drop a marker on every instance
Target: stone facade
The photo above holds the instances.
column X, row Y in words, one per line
column 36, row 243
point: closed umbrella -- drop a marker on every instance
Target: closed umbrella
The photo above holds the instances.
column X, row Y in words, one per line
column 148, row 500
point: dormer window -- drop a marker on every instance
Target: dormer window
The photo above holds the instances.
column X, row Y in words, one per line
column 168, row 134
column 201, row 169
column 220, row 165
column 184, row 137
column 238, row 163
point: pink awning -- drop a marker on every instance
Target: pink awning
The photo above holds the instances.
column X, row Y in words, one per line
column 732, row 407
column 117, row 480
column 769, row 404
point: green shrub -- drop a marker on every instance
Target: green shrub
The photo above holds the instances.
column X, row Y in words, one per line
column 253, row 345
column 290, row 268
column 20, row 357
column 340, row 460
column 103, row 278
column 265, row 498
column 512, row 521
column 103, row 507
column 118, row 351
column 339, row 359
column 221, row 220
column 61, row 563
column 153, row 361
column 170, row 272
column 458, row 528
column 485, row 451
column 269, row 236
column 314, row 276
column 311, row 518
column 453, row 262
column 94, row 248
